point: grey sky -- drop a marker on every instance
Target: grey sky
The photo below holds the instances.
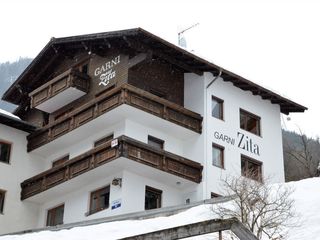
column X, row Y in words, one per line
column 273, row 43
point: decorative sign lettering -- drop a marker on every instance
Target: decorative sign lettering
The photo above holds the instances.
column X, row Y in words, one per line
column 242, row 141
column 106, row 71
column 116, row 204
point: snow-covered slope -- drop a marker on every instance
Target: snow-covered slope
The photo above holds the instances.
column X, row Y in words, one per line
column 307, row 203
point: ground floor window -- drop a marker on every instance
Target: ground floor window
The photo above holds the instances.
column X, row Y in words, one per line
column 99, row 200
column 55, row 216
column 215, row 195
column 152, row 198
column 251, row 168
column 2, row 196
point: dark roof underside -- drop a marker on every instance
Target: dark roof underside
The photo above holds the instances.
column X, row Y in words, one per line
column 16, row 123
column 141, row 41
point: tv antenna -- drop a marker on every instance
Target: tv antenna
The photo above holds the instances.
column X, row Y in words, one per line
column 181, row 40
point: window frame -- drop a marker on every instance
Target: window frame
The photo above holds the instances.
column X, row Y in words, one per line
column 157, row 141
column 55, row 210
column 156, row 191
column 251, row 115
column 221, row 103
column 10, row 151
column 98, row 208
column 221, row 148
column 247, row 159
column 2, row 203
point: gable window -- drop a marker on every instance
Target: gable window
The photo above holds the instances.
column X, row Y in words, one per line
column 152, row 198
column 217, row 155
column 155, row 142
column 103, row 140
column 217, row 107
column 99, row 199
column 55, row 216
column 251, row 168
column 249, row 122
column 60, row 161
column 2, row 197
column 5, row 150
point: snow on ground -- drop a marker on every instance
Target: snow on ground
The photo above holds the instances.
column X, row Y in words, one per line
column 307, row 203
column 8, row 114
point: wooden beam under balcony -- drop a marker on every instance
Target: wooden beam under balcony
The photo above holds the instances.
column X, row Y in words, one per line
column 126, row 147
column 125, row 94
column 45, row 97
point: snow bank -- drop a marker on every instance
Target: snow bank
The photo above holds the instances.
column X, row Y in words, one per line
column 306, row 195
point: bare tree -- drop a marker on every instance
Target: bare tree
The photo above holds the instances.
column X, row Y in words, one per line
column 267, row 210
column 302, row 157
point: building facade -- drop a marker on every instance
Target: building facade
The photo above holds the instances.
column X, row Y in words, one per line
column 124, row 121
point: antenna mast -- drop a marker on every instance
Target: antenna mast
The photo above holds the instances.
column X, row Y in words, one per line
column 181, row 41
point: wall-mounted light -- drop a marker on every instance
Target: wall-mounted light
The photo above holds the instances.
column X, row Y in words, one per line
column 117, row 182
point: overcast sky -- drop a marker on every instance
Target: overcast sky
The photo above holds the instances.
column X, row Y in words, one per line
column 274, row 43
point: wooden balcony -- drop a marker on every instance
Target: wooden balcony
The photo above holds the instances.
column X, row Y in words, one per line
column 124, row 147
column 70, row 86
column 125, row 94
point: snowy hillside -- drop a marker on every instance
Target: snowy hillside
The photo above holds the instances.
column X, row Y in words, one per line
column 306, row 195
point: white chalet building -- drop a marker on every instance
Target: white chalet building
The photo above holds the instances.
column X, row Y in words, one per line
column 119, row 122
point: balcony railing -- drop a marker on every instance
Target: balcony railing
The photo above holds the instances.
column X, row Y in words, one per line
column 125, row 94
column 123, row 147
column 43, row 97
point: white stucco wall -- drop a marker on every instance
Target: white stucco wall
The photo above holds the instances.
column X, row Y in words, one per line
column 270, row 141
column 17, row 215
column 198, row 98
column 131, row 195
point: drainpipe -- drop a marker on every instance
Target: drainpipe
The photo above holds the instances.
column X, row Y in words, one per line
column 206, row 124
column 216, row 77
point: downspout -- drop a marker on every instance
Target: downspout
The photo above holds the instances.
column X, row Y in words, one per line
column 206, row 131
column 216, row 77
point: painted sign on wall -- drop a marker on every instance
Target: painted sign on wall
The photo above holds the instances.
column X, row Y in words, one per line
column 241, row 141
column 106, row 71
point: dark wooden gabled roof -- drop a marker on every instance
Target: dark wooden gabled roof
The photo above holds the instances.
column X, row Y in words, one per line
column 141, row 41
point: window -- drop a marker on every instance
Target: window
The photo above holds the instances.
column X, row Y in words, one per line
column 251, row 168
column 2, row 196
column 217, row 108
column 103, row 140
column 152, row 198
column 5, row 149
column 215, row 195
column 99, row 199
column 55, row 216
column 60, row 161
column 217, row 156
column 249, row 122
column 155, row 142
